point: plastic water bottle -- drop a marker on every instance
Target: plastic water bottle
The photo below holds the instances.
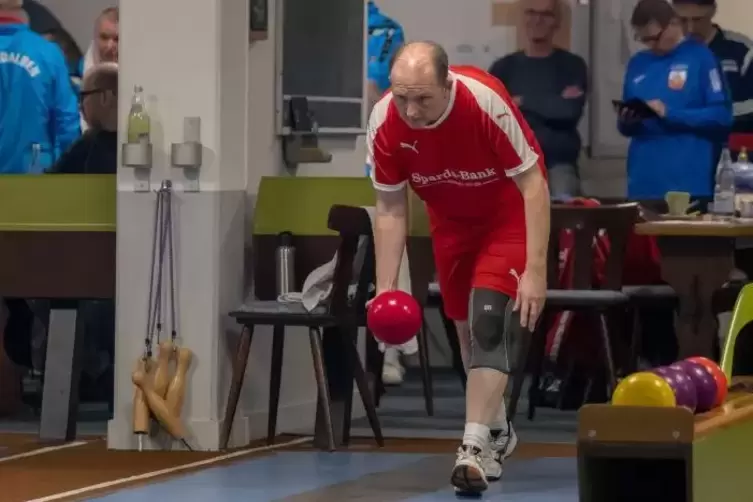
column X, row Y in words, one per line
column 35, row 162
column 724, row 190
column 744, row 185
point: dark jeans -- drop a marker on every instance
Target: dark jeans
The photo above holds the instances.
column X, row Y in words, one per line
column 17, row 336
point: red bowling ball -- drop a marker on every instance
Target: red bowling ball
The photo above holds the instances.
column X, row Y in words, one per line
column 394, row 317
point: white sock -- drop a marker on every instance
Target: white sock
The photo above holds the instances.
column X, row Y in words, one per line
column 500, row 420
column 476, row 435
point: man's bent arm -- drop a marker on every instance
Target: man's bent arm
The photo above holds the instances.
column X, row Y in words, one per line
column 535, row 191
column 390, row 232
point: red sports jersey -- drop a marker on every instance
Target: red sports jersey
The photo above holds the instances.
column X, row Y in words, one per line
column 462, row 165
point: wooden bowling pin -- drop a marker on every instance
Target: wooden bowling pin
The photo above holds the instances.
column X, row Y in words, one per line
column 176, row 391
column 158, row 406
column 162, row 372
column 140, row 408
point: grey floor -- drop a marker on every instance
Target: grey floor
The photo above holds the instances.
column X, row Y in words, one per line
column 402, row 414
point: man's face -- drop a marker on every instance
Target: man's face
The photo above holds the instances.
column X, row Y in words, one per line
column 107, row 40
column 696, row 20
column 541, row 19
column 420, row 103
column 659, row 40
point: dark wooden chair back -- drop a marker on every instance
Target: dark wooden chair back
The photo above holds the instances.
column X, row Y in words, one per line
column 586, row 225
column 352, row 224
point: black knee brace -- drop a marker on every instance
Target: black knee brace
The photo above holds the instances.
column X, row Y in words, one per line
column 495, row 331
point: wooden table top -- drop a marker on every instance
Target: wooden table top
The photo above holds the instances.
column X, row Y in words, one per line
column 702, row 227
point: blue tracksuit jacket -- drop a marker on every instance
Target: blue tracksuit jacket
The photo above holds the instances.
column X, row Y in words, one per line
column 679, row 151
column 37, row 103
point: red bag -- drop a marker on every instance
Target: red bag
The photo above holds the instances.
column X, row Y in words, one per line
column 642, row 266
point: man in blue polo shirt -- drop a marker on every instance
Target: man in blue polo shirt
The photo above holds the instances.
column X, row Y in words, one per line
column 734, row 56
column 679, row 79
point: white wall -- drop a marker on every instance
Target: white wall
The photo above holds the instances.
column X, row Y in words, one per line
column 298, row 394
column 79, row 21
column 735, row 15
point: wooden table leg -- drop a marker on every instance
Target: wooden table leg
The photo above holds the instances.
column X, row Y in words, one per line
column 695, row 267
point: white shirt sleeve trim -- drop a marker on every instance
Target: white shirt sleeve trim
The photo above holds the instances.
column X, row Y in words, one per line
column 530, row 161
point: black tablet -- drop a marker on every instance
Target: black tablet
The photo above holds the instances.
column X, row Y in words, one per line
column 638, row 107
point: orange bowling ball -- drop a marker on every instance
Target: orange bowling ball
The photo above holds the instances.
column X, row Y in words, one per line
column 394, row 317
column 722, row 384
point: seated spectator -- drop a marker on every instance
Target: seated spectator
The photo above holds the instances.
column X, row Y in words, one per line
column 38, row 108
column 96, row 151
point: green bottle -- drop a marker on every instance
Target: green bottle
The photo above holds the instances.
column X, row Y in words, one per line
column 138, row 118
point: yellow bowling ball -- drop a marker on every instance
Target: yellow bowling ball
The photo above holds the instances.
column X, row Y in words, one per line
column 644, row 389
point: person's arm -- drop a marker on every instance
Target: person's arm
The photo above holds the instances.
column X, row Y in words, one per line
column 716, row 113
column 565, row 109
column 391, row 221
column 514, row 147
column 626, row 126
column 64, row 105
column 535, row 191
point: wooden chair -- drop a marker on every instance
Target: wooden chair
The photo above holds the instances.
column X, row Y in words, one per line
column 340, row 314
column 586, row 224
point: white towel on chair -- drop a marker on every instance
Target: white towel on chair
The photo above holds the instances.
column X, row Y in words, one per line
column 318, row 285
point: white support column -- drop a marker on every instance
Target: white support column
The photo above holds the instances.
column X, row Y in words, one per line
column 191, row 58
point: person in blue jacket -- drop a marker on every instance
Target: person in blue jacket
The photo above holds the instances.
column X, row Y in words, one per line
column 385, row 36
column 39, row 116
column 680, row 80
column 735, row 57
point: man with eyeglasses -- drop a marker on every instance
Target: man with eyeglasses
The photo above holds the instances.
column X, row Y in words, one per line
column 96, row 151
column 680, row 112
column 734, row 56
column 549, row 85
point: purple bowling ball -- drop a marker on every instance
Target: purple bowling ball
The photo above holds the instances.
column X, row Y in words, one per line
column 704, row 382
column 682, row 385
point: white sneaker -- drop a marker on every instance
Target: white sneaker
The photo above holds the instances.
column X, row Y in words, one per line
column 392, row 371
column 501, row 448
column 492, row 467
column 468, row 476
